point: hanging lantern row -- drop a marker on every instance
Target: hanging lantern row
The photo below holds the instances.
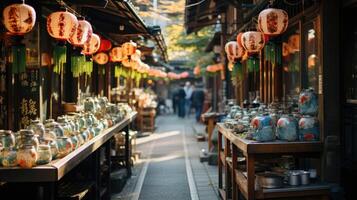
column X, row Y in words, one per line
column 101, row 58
column 271, row 22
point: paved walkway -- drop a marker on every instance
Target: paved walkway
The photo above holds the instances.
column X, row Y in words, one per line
column 170, row 167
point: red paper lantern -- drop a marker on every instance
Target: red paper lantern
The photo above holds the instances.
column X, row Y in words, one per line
column 253, row 41
column 62, row 25
column 82, row 34
column 105, row 45
column 91, row 46
column 273, row 21
column 239, row 39
column 19, row 18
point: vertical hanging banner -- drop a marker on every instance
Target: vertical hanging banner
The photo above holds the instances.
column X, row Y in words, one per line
column 30, row 98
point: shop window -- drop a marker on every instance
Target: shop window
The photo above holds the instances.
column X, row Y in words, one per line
column 291, row 61
column 312, row 54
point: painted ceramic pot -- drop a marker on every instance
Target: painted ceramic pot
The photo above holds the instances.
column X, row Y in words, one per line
column 8, row 157
column 7, row 138
column 264, row 134
column 27, row 156
column 67, row 128
column 53, row 146
column 287, row 128
column 65, row 146
column 308, row 103
column 89, row 105
column 44, row 154
column 55, row 127
column 309, row 128
column 75, row 141
column 80, row 138
column 37, row 127
column 50, row 134
column 261, row 121
column 27, row 137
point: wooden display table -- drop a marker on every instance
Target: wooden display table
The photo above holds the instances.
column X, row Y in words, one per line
column 48, row 176
column 237, row 181
column 210, row 119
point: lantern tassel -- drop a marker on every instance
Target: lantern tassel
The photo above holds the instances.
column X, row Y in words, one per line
column 59, row 58
column 253, row 63
column 76, row 63
column 18, row 59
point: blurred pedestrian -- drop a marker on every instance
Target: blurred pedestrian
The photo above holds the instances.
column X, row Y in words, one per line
column 181, row 101
column 188, row 91
column 198, row 98
column 175, row 99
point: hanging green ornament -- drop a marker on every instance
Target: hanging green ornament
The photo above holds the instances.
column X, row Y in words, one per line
column 59, row 58
column 18, row 58
column 77, row 62
column 253, row 63
column 237, row 70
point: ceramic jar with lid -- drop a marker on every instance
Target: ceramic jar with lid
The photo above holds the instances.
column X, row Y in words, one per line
column 287, row 128
column 53, row 146
column 75, row 141
column 27, row 156
column 50, row 134
column 44, row 154
column 8, row 157
column 308, row 103
column 7, row 138
column 89, row 104
column 37, row 127
column 65, row 146
column 27, row 137
column 55, row 127
column 309, row 128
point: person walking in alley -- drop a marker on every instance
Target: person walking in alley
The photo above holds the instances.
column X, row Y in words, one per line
column 188, row 91
column 181, row 101
column 198, row 97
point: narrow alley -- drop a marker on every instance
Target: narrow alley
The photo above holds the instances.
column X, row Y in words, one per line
column 170, row 167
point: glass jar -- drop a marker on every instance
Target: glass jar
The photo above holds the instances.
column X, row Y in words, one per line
column 8, row 157
column 7, row 138
column 27, row 156
column 44, row 154
column 65, row 146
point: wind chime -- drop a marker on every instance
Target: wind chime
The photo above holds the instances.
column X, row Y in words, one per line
column 19, row 19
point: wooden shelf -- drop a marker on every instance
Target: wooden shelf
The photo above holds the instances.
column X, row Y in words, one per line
column 55, row 170
column 277, row 147
column 253, row 151
column 242, row 182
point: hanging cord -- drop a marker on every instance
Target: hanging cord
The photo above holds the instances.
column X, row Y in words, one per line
column 195, row 4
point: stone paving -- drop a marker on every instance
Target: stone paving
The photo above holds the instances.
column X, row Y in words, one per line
column 169, row 167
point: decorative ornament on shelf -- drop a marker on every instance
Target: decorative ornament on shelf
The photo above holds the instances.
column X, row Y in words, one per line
column 116, row 54
column 19, row 19
column 101, row 58
column 62, row 25
column 253, row 42
column 91, row 46
column 82, row 34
